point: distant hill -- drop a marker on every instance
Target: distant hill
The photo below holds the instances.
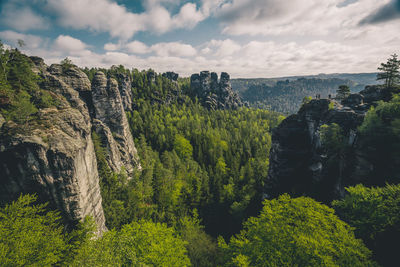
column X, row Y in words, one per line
column 285, row 94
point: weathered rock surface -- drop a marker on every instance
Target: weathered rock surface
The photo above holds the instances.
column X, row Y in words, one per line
column 171, row 75
column 212, row 93
column 53, row 156
column 109, row 111
column 299, row 164
column 125, row 90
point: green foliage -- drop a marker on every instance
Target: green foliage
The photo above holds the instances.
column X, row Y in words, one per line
column 374, row 212
column 21, row 108
column 380, row 141
column 20, row 95
column 137, row 244
column 390, row 71
column 306, row 100
column 183, row 147
column 215, row 161
column 66, row 64
column 119, row 196
column 295, row 232
column 29, row 235
column 342, row 92
column 287, row 96
column 331, row 105
column 202, row 249
column 332, row 138
column 191, row 157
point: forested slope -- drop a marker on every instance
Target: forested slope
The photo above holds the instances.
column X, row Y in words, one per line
column 195, row 194
column 286, row 94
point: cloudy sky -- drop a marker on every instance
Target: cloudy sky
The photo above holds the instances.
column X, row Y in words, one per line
column 247, row 38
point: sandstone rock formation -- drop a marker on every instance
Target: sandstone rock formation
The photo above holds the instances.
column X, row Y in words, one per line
column 299, row 165
column 212, row 93
column 171, row 75
column 112, row 124
column 125, row 90
column 54, row 155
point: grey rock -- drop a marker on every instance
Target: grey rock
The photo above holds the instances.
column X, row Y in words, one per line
column 39, row 65
column 353, row 100
column 55, row 161
column 77, row 79
column 125, row 90
column 2, row 121
column 171, row 75
column 375, row 93
column 109, row 110
column 298, row 163
column 212, row 93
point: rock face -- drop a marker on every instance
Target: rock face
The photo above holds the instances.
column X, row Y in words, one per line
column 171, row 75
column 212, row 93
column 125, row 90
column 300, row 165
column 112, row 125
column 54, row 156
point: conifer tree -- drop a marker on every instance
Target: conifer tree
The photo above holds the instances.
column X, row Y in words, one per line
column 342, row 92
column 390, row 71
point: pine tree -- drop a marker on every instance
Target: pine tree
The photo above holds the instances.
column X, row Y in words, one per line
column 343, row 92
column 390, row 71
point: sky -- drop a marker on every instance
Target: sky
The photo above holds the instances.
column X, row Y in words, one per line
column 246, row 38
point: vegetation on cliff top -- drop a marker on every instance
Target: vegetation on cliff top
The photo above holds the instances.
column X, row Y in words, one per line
column 203, row 176
column 20, row 92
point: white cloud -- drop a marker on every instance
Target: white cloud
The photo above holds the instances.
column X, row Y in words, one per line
column 299, row 18
column 31, row 41
column 108, row 16
column 188, row 16
column 21, row 18
column 71, row 46
column 111, row 47
column 177, row 49
column 137, row 47
column 68, row 43
column 173, row 49
column 222, row 48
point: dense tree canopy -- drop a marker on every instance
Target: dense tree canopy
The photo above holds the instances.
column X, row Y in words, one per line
column 29, row 235
column 295, row 232
column 287, row 96
column 380, row 141
column 374, row 212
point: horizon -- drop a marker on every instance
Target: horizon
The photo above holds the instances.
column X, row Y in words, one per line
column 246, row 38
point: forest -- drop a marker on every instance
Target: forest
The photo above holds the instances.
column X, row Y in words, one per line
column 198, row 200
column 285, row 96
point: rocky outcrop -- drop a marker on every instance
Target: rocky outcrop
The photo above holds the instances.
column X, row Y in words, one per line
column 171, row 75
column 53, row 156
column 125, row 90
column 112, row 125
column 301, row 165
column 212, row 93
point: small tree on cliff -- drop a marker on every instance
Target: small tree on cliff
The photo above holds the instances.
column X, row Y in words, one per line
column 390, row 71
column 342, row 92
